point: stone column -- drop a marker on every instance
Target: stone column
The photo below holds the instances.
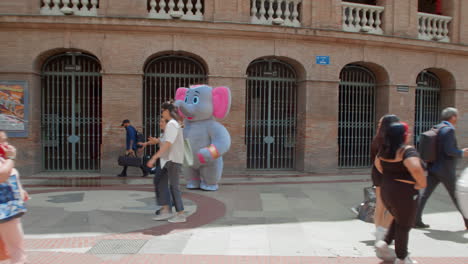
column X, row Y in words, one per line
column 318, row 126
column 121, row 99
column 400, row 17
column 325, row 14
column 119, row 8
column 20, row 7
column 402, row 104
column 463, row 22
column 231, row 11
column 452, row 9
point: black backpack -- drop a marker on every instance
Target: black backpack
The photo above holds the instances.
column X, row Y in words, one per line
column 140, row 138
column 427, row 147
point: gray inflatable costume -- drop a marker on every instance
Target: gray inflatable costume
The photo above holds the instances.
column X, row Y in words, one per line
column 209, row 139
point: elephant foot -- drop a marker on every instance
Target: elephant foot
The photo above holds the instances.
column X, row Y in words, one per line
column 193, row 184
column 207, row 187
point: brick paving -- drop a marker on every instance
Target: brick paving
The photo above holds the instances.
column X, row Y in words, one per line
column 239, row 218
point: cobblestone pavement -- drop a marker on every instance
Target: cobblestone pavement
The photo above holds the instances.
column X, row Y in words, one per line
column 300, row 220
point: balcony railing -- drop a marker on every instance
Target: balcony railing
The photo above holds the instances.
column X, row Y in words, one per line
column 433, row 27
column 183, row 9
column 276, row 12
column 362, row 18
column 69, row 7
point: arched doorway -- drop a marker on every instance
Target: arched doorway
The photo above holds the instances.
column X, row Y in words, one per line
column 271, row 111
column 427, row 103
column 356, row 116
column 71, row 113
column 162, row 76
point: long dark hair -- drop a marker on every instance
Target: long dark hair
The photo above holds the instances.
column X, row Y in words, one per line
column 378, row 140
column 173, row 111
column 395, row 137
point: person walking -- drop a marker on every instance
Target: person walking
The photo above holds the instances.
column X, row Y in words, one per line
column 131, row 146
column 171, row 155
column 158, row 171
column 443, row 169
column 12, row 198
column 382, row 217
column 403, row 176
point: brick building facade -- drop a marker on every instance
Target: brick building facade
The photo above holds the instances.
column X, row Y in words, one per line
column 291, row 110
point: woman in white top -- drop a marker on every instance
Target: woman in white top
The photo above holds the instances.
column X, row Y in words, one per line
column 159, row 171
column 171, row 154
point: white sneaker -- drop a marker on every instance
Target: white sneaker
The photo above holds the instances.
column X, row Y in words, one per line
column 163, row 216
column 178, row 218
column 383, row 252
column 407, row 260
column 380, row 233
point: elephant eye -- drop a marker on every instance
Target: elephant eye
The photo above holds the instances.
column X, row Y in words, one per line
column 186, row 99
column 196, row 99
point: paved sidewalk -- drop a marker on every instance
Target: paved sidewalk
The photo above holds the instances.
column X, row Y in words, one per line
column 302, row 220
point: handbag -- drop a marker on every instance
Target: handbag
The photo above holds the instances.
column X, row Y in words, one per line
column 188, row 154
column 127, row 160
column 367, row 207
column 11, row 204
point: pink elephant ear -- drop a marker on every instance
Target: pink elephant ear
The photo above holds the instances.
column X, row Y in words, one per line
column 221, row 102
column 180, row 95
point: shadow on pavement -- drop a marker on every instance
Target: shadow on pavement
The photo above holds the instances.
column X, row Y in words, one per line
column 443, row 235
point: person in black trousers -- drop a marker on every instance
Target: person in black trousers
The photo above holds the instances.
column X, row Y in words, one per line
column 403, row 176
column 443, row 170
column 131, row 146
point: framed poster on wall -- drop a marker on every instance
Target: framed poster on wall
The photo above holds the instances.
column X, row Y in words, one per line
column 14, row 108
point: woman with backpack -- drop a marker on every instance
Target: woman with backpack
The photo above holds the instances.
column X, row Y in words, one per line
column 403, row 176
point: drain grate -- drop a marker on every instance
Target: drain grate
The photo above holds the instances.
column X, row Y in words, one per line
column 117, row 246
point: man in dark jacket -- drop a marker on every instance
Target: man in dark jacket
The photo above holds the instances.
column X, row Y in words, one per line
column 131, row 146
column 443, row 170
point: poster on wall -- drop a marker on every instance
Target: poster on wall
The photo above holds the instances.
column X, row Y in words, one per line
column 13, row 108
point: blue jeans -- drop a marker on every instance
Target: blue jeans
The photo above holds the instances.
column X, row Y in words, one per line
column 170, row 178
column 158, row 190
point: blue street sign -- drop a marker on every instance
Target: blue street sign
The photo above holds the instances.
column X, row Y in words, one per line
column 322, row 60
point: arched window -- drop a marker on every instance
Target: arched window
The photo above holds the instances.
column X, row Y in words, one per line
column 427, row 103
column 71, row 113
column 162, row 76
column 271, row 111
column 356, row 116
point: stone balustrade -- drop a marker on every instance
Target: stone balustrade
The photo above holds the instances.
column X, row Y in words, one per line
column 183, row 9
column 69, row 7
column 433, row 27
column 362, row 18
column 276, row 12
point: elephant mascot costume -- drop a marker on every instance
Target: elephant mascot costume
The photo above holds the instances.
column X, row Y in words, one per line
column 210, row 140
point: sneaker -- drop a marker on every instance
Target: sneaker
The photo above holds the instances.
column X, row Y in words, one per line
column 421, row 225
column 380, row 233
column 121, row 175
column 162, row 216
column 178, row 218
column 383, row 252
column 407, row 260
column 355, row 210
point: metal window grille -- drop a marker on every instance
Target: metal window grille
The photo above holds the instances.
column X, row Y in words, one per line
column 71, row 113
column 427, row 103
column 162, row 76
column 271, row 103
column 356, row 116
